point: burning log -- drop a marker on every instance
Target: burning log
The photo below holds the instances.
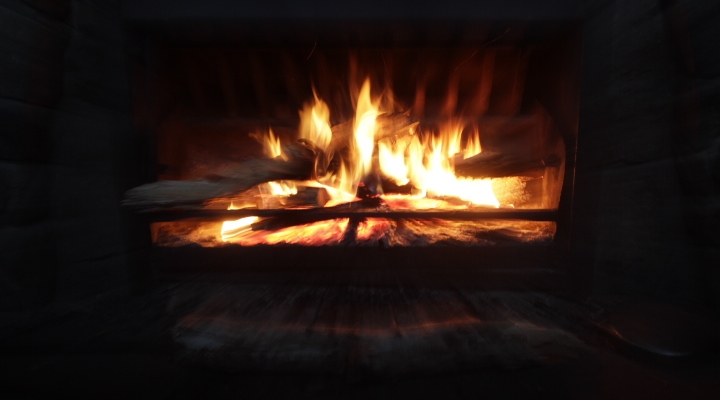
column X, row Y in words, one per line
column 489, row 164
column 388, row 125
column 301, row 160
column 298, row 164
column 314, row 215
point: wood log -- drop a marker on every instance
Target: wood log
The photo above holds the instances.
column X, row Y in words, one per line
column 490, row 164
column 304, row 161
column 241, row 177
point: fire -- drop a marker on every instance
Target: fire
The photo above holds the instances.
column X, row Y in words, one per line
column 281, row 188
column 424, row 160
column 473, row 145
column 312, row 234
column 341, row 187
column 392, row 160
column 315, row 123
column 431, row 171
column 427, row 165
column 231, row 229
column 364, row 136
column 272, row 147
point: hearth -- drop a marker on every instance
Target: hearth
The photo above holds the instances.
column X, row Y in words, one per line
column 360, row 144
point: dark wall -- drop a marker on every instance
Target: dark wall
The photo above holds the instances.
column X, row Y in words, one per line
column 647, row 199
column 65, row 148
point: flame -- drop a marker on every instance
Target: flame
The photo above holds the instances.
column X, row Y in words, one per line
column 280, row 188
column 313, row 234
column 473, row 145
column 231, row 229
column 272, row 147
column 450, row 138
column 365, row 116
column 392, row 160
column 342, row 185
column 428, row 166
column 436, row 176
column 315, row 123
column 425, row 161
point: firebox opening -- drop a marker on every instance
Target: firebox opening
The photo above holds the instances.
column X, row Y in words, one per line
column 387, row 135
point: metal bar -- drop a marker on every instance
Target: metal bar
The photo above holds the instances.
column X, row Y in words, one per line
column 321, row 214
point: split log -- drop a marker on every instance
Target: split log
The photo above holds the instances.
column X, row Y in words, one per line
column 256, row 198
column 241, row 177
column 490, row 165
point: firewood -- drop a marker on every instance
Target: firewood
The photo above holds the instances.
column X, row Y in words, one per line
column 304, row 161
column 490, row 164
column 241, row 177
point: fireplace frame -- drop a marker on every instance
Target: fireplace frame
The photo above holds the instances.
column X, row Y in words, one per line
column 550, row 265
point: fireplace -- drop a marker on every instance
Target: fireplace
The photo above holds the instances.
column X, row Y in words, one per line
column 394, row 144
column 635, row 211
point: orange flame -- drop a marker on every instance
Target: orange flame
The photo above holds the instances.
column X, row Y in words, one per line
column 428, row 166
column 272, row 147
column 473, row 145
column 231, row 229
column 313, row 234
column 365, row 116
column 315, row 123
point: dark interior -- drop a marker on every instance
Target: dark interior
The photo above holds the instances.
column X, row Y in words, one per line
column 99, row 97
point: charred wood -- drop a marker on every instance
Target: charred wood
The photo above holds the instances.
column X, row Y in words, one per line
column 299, row 165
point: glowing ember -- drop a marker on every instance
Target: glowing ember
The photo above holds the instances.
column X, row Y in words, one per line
column 409, row 202
column 231, row 229
column 373, row 229
column 313, row 234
